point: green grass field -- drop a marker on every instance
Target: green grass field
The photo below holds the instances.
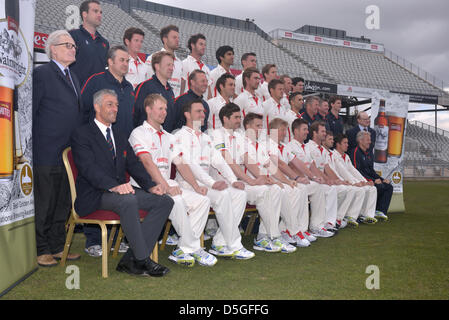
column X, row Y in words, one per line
column 411, row 251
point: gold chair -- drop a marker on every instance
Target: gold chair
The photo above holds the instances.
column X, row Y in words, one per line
column 99, row 217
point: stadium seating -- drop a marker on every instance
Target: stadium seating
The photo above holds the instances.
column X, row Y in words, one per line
column 241, row 41
column 359, row 67
column 51, row 16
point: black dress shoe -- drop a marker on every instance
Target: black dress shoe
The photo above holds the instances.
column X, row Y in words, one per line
column 154, row 269
column 130, row 266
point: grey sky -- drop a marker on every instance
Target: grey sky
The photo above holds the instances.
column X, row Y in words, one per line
column 413, row 29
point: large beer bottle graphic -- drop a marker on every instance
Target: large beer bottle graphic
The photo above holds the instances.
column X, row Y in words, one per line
column 7, row 86
column 381, row 128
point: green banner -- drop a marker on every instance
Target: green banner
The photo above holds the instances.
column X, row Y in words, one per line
column 17, row 230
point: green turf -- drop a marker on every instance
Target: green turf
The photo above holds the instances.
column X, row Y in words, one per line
column 411, row 251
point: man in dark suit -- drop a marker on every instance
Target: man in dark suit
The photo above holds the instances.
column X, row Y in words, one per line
column 56, row 113
column 362, row 160
column 363, row 122
column 103, row 156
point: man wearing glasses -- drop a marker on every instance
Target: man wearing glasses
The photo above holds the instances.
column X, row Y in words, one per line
column 363, row 123
column 56, row 113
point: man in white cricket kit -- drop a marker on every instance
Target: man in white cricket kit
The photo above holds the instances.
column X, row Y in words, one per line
column 248, row 60
column 248, row 101
column 138, row 70
column 170, row 39
column 287, row 81
column 319, row 157
column 225, row 86
column 296, row 102
column 225, row 58
column 269, row 72
column 228, row 201
column 355, row 208
column 273, row 108
column 303, row 165
column 295, row 210
column 345, row 168
column 156, row 149
column 234, row 148
column 291, row 200
column 197, row 47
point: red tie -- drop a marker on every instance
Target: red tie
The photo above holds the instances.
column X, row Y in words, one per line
column 256, row 99
column 279, row 108
column 303, row 147
column 160, row 133
column 200, row 64
column 281, row 148
column 344, row 156
column 321, row 149
column 136, row 62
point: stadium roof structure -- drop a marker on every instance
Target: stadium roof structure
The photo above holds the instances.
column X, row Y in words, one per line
column 331, row 63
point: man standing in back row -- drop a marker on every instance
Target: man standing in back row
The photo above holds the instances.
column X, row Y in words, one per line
column 92, row 48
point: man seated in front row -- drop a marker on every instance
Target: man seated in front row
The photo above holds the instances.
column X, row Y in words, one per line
column 260, row 191
column 345, row 168
column 362, row 159
column 226, row 193
column 291, row 197
column 103, row 156
column 156, row 149
column 355, row 209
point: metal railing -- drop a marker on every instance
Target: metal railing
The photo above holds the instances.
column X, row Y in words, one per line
column 440, row 84
column 432, row 129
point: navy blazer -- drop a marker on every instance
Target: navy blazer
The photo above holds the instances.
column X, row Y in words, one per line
column 56, row 113
column 363, row 161
column 98, row 171
column 352, row 134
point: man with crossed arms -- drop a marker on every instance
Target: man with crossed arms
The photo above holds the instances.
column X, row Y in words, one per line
column 265, row 196
column 228, row 202
column 156, row 149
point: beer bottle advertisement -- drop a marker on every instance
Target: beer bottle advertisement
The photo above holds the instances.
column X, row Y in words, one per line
column 381, row 128
column 388, row 118
column 17, row 229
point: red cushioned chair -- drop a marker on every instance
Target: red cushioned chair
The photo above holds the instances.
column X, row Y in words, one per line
column 99, row 217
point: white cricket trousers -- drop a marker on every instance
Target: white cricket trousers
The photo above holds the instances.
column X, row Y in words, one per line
column 294, row 209
column 267, row 199
column 189, row 217
column 355, row 209
column 317, row 197
column 369, row 203
column 229, row 206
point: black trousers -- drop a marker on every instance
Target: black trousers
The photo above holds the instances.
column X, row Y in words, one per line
column 141, row 236
column 52, row 204
column 384, row 194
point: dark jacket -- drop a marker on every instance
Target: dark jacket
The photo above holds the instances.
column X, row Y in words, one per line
column 181, row 101
column 363, row 161
column 56, row 113
column 97, row 171
column 125, row 93
column 352, row 134
column 90, row 53
column 153, row 85
column 334, row 124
